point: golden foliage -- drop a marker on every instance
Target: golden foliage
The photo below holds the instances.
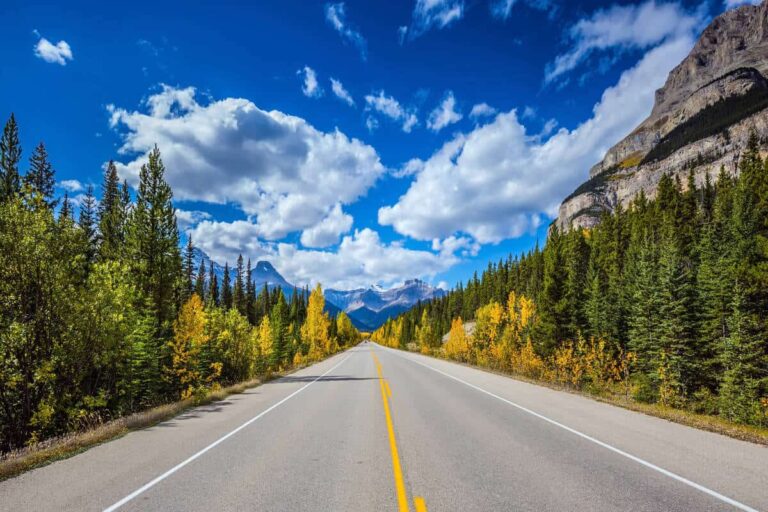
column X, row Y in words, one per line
column 189, row 336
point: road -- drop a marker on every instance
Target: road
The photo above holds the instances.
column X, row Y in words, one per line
column 376, row 429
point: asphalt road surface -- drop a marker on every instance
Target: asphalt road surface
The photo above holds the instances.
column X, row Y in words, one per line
column 376, row 429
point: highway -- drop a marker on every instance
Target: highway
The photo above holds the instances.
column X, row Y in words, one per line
column 375, row 429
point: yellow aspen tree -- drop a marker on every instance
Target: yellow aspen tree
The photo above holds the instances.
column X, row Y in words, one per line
column 189, row 336
column 265, row 342
column 457, row 346
column 315, row 329
column 487, row 329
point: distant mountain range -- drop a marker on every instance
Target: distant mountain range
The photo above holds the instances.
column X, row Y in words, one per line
column 368, row 308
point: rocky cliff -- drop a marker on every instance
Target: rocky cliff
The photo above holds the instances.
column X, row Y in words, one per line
column 701, row 119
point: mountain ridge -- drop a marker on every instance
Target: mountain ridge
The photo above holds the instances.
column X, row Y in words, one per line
column 701, row 119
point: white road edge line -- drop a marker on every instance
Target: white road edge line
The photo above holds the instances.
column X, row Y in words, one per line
column 645, row 463
column 180, row 465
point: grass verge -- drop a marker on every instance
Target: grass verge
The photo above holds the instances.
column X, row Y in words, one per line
column 45, row 452
column 706, row 422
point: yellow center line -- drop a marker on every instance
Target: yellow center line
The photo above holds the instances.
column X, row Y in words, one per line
column 418, row 502
column 402, row 498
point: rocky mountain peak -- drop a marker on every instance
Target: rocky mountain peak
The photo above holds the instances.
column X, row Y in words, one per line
column 702, row 118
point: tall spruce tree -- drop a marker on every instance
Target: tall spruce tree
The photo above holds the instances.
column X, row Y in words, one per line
column 239, row 293
column 10, row 156
column 40, row 177
column 226, row 288
column 112, row 215
column 200, row 281
column 87, row 223
column 153, row 242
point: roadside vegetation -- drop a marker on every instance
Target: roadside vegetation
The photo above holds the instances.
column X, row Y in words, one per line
column 103, row 315
column 662, row 307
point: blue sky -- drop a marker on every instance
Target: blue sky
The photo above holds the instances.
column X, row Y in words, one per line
column 347, row 142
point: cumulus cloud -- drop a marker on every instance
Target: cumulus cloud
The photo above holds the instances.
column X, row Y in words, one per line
column 445, row 114
column 391, row 108
column 286, row 175
column 429, row 14
column 190, row 218
column 482, row 110
column 71, row 185
column 309, row 87
column 499, row 182
column 360, row 260
column 58, row 53
column 336, row 15
column 623, row 27
column 341, row 93
column 327, row 231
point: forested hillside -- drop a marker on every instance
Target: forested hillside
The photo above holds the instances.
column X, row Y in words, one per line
column 666, row 301
column 102, row 313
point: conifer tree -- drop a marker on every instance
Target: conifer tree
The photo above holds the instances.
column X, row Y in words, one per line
column 39, row 178
column 87, row 223
column 250, row 295
column 10, row 156
column 200, row 281
column 112, row 215
column 239, row 293
column 153, row 241
column 213, row 287
column 66, row 208
column 226, row 289
column 189, row 268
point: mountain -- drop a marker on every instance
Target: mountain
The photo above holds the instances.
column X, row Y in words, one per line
column 701, row 119
column 369, row 308
column 263, row 273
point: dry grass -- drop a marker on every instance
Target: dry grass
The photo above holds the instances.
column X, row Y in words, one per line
column 42, row 453
column 716, row 424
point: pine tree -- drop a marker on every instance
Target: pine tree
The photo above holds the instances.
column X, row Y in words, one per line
column 200, row 281
column 213, row 287
column 10, row 156
column 153, row 241
column 226, row 289
column 87, row 223
column 112, row 215
column 39, row 179
column 239, row 293
column 189, row 268
column 250, row 295
column 66, row 208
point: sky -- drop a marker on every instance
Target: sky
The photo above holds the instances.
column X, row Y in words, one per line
column 349, row 143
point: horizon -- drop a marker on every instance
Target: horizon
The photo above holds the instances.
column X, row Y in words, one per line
column 330, row 153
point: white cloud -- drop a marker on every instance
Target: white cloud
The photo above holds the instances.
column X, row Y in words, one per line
column 310, row 87
column 391, row 108
column 189, row 218
column 71, row 185
column 360, row 260
column 730, row 4
column 341, row 93
column 482, row 110
column 328, row 230
column 499, row 182
column 286, row 175
column 429, row 14
column 371, row 123
column 411, row 167
column 58, row 53
column 445, row 114
column 623, row 27
column 336, row 15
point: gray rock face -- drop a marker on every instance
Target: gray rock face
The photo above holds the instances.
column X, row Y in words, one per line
column 702, row 118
